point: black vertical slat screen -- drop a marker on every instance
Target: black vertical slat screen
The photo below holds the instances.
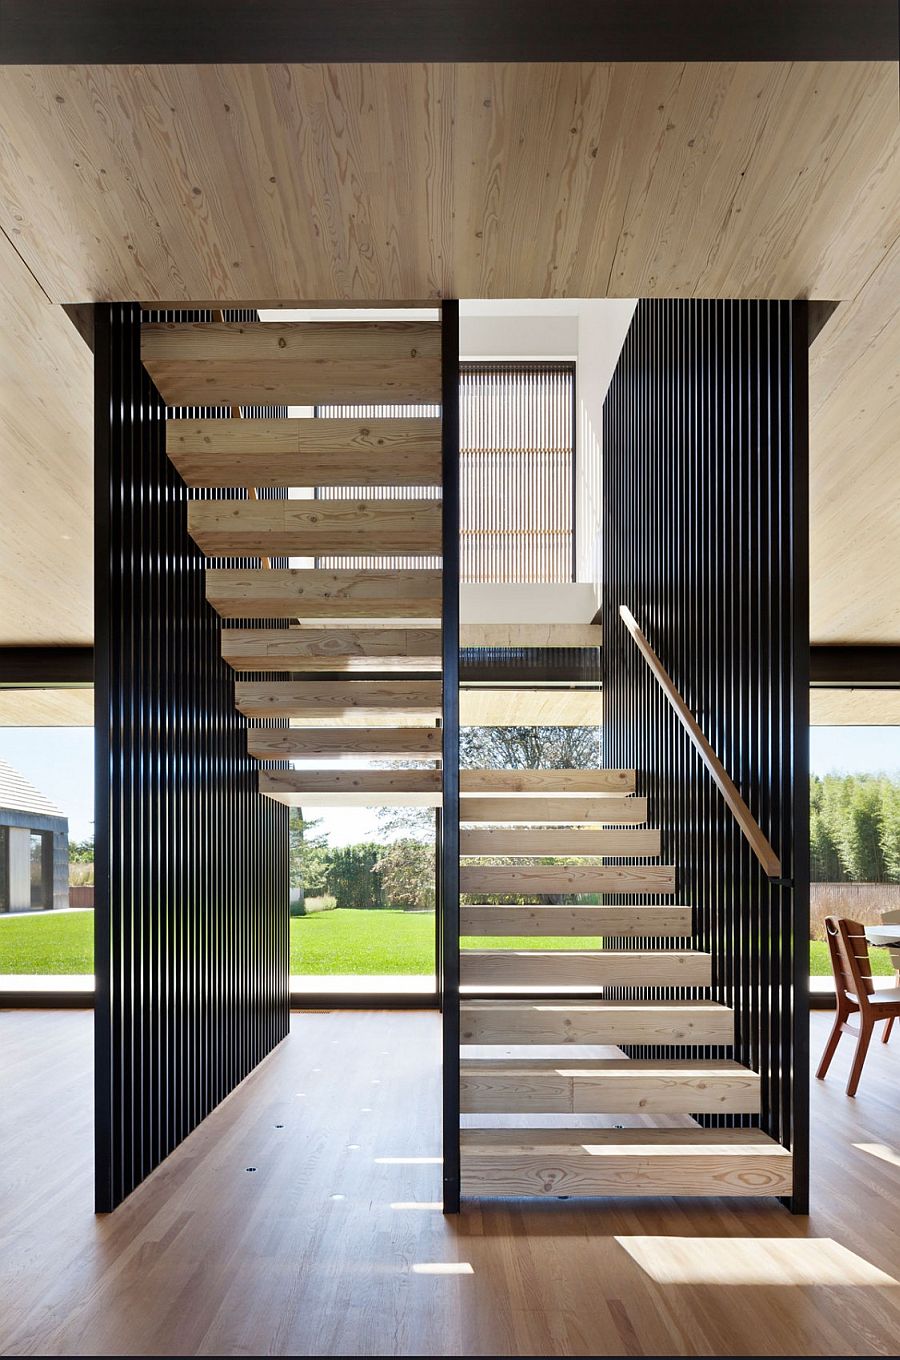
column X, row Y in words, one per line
column 191, row 952
column 705, row 538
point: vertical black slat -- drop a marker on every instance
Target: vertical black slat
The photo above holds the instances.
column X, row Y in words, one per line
column 705, row 503
column 450, row 815
column 176, row 804
column 795, row 1077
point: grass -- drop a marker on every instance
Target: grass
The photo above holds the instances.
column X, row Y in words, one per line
column 55, row 942
column 362, row 942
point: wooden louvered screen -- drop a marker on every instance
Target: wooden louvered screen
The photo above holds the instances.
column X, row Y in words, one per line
column 517, row 456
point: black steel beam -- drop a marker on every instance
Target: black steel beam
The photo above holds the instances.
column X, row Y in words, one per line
column 486, row 665
column 46, row 667
column 866, row 667
column 59, row 32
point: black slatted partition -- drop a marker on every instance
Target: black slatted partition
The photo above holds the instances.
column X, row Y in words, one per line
column 192, row 864
column 705, row 539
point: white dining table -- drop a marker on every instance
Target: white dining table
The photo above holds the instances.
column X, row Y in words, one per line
column 884, row 937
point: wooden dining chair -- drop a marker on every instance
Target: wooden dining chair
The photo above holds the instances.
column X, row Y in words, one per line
column 855, row 995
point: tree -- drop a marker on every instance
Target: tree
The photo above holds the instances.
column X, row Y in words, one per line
column 890, row 830
column 825, row 859
column 860, row 835
column 529, row 748
column 407, row 874
column 309, row 855
column 354, row 879
column 81, row 852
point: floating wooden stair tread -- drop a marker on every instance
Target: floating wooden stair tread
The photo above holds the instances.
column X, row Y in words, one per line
column 378, row 743
column 566, row 878
column 600, row 1022
column 307, row 592
column 307, row 452
column 521, row 706
column 318, row 648
column 584, row 1162
column 535, row 919
column 507, row 840
column 539, row 635
column 607, row 1086
column 354, row 701
column 581, row 808
column 223, row 528
column 542, row 782
column 302, row 363
column 355, row 788
column 585, row 968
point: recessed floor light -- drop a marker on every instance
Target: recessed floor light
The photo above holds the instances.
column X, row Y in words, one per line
column 443, row 1268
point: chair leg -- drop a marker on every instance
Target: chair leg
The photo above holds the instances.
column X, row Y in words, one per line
column 862, row 1047
column 889, row 1025
column 831, row 1046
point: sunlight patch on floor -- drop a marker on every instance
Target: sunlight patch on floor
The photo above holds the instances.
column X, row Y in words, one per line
column 752, row 1261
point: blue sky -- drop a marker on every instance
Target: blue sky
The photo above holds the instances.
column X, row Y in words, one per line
column 60, row 762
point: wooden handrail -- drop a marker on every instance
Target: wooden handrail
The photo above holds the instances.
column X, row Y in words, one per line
column 743, row 816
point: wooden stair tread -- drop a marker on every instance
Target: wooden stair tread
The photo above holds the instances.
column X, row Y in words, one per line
column 507, row 840
column 556, row 1021
column 567, row 878
column 286, row 743
column 697, row 1137
column 598, row 808
column 540, row 782
column 484, row 918
column 348, row 699
column 307, row 363
column 334, row 649
column 531, row 635
column 306, row 452
column 554, row 968
column 606, row 1086
column 364, row 528
column 353, row 788
column 314, row 593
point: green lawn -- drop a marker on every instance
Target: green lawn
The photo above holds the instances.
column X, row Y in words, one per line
column 58, row 942
column 363, row 942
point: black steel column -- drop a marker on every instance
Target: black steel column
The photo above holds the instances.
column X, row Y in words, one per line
column 449, row 844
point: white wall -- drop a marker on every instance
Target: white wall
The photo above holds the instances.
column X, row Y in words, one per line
column 517, row 337
column 602, row 327
column 526, row 603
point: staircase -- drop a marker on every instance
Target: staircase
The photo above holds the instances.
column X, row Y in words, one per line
column 361, row 647
column 550, row 1101
column 542, row 1031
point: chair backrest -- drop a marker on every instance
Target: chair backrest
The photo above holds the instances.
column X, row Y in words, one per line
column 849, row 957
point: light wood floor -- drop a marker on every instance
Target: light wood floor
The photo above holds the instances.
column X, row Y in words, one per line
column 335, row 1244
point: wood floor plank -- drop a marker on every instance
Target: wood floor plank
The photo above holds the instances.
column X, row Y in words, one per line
column 361, row 528
column 208, row 1259
column 311, row 593
column 306, row 452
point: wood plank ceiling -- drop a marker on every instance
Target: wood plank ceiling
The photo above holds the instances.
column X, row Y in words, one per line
column 366, row 182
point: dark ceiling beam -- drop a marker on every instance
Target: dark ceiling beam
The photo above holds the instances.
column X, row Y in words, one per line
column 46, row 667
column 55, row 32
column 851, row 667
